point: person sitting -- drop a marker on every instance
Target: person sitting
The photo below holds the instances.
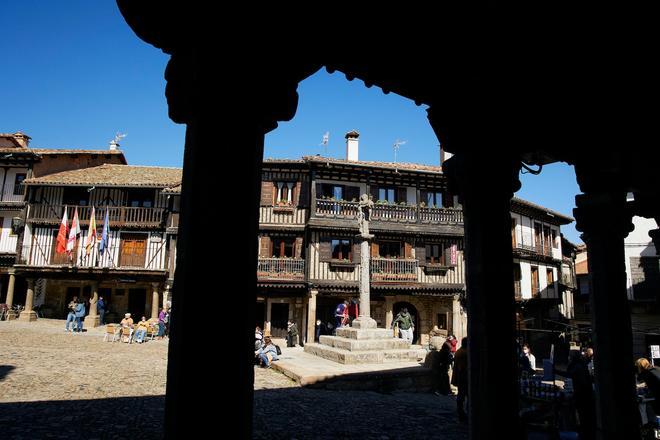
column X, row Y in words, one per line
column 266, row 354
column 141, row 330
column 258, row 338
column 127, row 322
column 650, row 375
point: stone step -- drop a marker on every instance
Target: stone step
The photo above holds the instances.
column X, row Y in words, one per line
column 358, row 333
column 364, row 344
column 365, row 357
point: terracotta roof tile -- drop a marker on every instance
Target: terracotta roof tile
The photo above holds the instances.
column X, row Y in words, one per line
column 113, row 175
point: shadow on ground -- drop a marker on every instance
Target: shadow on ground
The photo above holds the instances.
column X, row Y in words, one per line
column 115, row 418
column 5, row 370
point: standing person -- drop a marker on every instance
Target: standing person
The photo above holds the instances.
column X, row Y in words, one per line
column 80, row 314
column 352, row 311
column 405, row 323
column 340, row 312
column 71, row 316
column 100, row 306
column 444, row 359
column 459, row 378
column 589, row 358
column 168, row 320
column 453, row 343
column 583, row 394
column 161, row 323
column 292, row 334
column 530, row 357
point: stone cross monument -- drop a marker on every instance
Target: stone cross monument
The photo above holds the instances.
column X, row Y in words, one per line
column 363, row 216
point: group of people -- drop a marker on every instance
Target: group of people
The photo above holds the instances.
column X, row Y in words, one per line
column 345, row 313
column 449, row 357
column 138, row 331
column 74, row 319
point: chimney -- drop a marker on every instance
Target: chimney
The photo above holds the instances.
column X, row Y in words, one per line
column 352, row 145
column 114, row 145
column 22, row 139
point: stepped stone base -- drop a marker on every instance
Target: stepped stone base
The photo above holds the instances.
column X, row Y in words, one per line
column 362, row 346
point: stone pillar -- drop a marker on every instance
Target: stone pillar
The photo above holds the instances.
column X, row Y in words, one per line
column 457, row 319
column 154, row 300
column 93, row 319
column 364, row 320
column 493, row 365
column 389, row 314
column 311, row 315
column 605, row 221
column 28, row 314
column 10, row 289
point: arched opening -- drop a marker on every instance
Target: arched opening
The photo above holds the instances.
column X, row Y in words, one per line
column 413, row 313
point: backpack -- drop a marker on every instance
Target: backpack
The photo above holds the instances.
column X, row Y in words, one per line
column 279, row 351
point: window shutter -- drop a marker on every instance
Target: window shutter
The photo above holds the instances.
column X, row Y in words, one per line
column 401, row 195
column 266, row 193
column 297, row 251
column 375, row 250
column 407, row 250
column 420, row 254
column 325, row 250
column 356, row 253
column 295, row 194
column 264, row 247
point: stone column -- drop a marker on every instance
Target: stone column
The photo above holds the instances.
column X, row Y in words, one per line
column 154, row 300
column 93, row 319
column 486, row 185
column 364, row 320
column 457, row 319
column 311, row 315
column 605, row 221
column 10, row 289
column 28, row 314
column 389, row 314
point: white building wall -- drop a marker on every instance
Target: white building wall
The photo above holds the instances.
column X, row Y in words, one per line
column 638, row 244
column 8, row 240
column 8, row 193
column 525, row 279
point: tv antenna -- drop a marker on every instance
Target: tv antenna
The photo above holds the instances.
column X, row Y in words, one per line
column 396, row 147
column 326, row 139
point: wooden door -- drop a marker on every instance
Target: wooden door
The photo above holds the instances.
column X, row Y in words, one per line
column 535, row 280
column 132, row 250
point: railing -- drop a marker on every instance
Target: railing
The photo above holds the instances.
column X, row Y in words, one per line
column 394, row 213
column 281, row 268
column 118, row 215
column 543, row 250
column 393, row 269
column 390, row 212
column 336, row 208
column 440, row 215
column 13, row 193
column 114, row 257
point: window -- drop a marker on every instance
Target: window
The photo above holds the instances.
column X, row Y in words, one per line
column 75, row 196
column 513, row 233
column 18, row 184
column 390, row 249
column 337, row 192
column 555, row 242
column 140, row 198
column 341, row 250
column 283, row 247
column 387, row 194
column 535, row 280
column 284, row 193
column 442, row 321
column 432, row 199
column 550, row 278
column 435, row 254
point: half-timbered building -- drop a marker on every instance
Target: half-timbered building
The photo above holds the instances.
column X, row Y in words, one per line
column 134, row 272
column 309, row 259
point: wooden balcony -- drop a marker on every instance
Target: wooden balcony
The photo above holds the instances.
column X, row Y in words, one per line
column 393, row 269
column 390, row 212
column 281, row 269
column 118, row 215
column 529, row 249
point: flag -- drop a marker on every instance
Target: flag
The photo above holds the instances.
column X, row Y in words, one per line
column 73, row 233
column 61, row 234
column 104, row 234
column 91, row 233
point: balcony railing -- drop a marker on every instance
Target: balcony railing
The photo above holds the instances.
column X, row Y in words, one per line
column 536, row 249
column 336, row 208
column 390, row 212
column 393, row 269
column 281, row 269
column 118, row 215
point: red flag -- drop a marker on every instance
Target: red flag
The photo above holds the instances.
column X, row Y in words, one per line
column 73, row 233
column 62, row 235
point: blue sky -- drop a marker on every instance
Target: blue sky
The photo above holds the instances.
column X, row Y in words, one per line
column 75, row 74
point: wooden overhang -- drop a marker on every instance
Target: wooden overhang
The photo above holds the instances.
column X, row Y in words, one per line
column 537, row 212
column 98, row 273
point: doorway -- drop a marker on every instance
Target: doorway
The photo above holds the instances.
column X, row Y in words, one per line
column 413, row 313
column 279, row 315
column 137, row 300
column 260, row 315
